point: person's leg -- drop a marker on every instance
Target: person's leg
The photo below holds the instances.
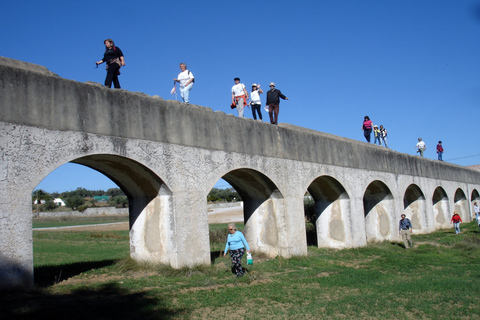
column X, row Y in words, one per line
column 259, row 110
column 276, row 111
column 404, row 238
column 367, row 133
column 186, row 93
column 240, row 104
column 254, row 106
column 110, row 74
column 385, row 142
column 112, row 70
column 421, row 152
column 270, row 113
column 440, row 156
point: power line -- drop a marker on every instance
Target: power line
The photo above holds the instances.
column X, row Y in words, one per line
column 475, row 155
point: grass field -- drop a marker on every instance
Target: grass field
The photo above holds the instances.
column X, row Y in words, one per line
column 88, row 274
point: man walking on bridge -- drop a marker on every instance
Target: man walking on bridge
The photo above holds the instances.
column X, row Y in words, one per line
column 273, row 102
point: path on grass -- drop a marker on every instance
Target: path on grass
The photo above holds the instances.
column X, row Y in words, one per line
column 217, row 215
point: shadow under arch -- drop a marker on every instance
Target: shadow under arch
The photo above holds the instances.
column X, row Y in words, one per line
column 150, row 204
column 263, row 210
column 332, row 206
column 414, row 207
column 475, row 197
column 461, row 205
column 440, row 208
column 379, row 211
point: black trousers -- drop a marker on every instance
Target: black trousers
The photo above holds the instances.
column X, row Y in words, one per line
column 112, row 76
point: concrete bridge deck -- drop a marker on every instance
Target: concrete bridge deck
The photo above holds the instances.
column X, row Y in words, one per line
column 166, row 156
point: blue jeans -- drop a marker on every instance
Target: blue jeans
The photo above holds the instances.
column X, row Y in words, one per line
column 367, row 133
column 185, row 92
column 440, row 156
column 384, row 139
column 456, row 225
column 377, row 138
column 256, row 109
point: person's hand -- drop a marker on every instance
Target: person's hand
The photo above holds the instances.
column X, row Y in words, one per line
column 248, row 251
column 123, row 63
column 224, row 254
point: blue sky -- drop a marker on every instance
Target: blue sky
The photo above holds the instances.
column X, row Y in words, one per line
column 413, row 66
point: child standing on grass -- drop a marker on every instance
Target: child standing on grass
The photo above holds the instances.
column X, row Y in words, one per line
column 456, row 220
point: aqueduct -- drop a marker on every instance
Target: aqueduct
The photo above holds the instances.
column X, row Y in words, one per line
column 166, row 156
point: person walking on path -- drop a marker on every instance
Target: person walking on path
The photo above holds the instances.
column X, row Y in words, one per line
column 273, row 103
column 186, row 80
column 114, row 58
column 421, row 147
column 405, row 230
column 255, row 101
column 456, row 220
column 367, row 128
column 440, row 150
column 237, row 243
column 239, row 96
column 376, row 134
column 383, row 135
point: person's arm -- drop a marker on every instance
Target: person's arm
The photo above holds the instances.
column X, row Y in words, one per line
column 100, row 62
column 233, row 98
column 259, row 90
column 281, row 95
column 122, row 60
column 226, row 248
column 246, row 94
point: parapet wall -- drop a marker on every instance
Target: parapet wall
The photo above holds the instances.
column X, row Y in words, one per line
column 50, row 101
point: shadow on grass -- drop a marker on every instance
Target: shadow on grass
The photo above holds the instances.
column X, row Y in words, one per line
column 50, row 275
column 108, row 301
column 214, row 255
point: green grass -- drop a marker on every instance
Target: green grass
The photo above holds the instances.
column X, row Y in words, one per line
column 75, row 221
column 438, row 279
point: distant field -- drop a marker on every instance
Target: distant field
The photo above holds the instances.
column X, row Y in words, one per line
column 88, row 274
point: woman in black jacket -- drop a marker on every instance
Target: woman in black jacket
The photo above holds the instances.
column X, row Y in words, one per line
column 113, row 56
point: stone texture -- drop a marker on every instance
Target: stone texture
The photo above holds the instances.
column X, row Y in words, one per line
column 166, row 157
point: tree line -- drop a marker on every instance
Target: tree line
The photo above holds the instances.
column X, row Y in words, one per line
column 81, row 198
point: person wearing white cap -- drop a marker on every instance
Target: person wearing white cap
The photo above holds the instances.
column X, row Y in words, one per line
column 255, row 101
column 273, row 102
column 377, row 134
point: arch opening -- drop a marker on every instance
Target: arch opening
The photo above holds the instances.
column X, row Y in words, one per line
column 414, row 207
column 379, row 212
column 263, row 211
column 461, row 205
column 330, row 213
column 441, row 211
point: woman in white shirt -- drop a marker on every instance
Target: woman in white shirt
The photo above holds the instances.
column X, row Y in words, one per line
column 255, row 101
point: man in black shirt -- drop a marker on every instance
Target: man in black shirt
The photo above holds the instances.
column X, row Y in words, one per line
column 405, row 230
column 273, row 102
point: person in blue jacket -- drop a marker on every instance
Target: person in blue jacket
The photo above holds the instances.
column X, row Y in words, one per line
column 237, row 243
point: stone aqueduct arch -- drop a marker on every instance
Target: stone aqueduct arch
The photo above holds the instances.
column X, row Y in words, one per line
column 167, row 156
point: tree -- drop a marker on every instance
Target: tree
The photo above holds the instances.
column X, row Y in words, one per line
column 74, row 201
column 114, row 192
column 41, row 195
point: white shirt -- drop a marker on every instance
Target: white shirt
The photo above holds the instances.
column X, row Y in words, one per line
column 184, row 76
column 421, row 145
column 255, row 97
column 238, row 90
